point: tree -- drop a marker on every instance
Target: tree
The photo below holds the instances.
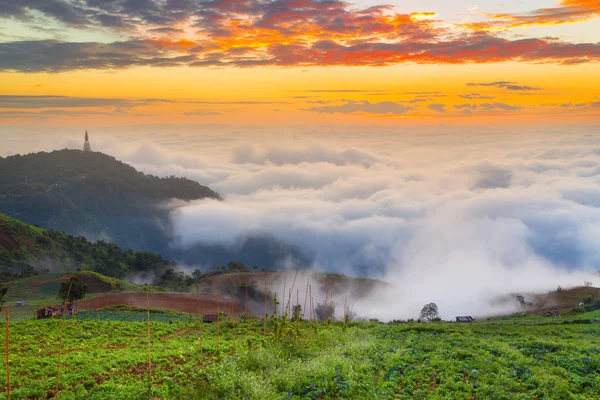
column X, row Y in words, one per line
column 236, row 266
column 521, row 299
column 72, row 290
column 197, row 275
column 324, row 311
column 297, row 312
column 429, row 312
column 3, row 291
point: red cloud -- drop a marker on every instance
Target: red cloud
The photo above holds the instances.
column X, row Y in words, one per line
column 248, row 33
column 570, row 11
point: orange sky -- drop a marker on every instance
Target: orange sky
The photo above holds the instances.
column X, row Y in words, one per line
column 303, row 62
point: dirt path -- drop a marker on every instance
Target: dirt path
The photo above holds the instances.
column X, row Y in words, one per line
column 205, row 304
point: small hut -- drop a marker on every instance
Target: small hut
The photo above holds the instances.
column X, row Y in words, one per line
column 209, row 318
column 47, row 312
column 465, row 318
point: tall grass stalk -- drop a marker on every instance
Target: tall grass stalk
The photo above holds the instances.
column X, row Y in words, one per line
column 7, row 361
column 265, row 313
column 283, row 295
column 290, row 294
column 305, row 296
column 247, row 316
column 233, row 322
column 62, row 327
column 149, row 350
column 218, row 317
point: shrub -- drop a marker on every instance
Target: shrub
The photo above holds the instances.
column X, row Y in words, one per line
column 576, row 310
column 593, row 306
column 325, row 311
column 429, row 312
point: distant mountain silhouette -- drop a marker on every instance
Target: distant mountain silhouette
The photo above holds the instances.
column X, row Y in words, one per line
column 94, row 195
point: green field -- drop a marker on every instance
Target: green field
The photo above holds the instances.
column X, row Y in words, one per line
column 513, row 358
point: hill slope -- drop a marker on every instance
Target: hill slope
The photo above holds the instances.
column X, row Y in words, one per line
column 92, row 194
column 46, row 286
column 25, row 249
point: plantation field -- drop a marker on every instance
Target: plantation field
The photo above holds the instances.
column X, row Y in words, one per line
column 529, row 357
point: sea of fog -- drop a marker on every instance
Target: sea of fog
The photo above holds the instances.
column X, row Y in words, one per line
column 456, row 216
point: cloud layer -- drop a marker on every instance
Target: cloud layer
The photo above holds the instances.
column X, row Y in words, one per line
column 452, row 216
column 453, row 221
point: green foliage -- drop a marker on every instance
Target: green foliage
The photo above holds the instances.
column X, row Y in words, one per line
column 297, row 312
column 52, row 250
column 3, row 292
column 93, row 194
column 591, row 303
column 175, row 281
column 324, row 311
column 72, row 290
column 105, row 357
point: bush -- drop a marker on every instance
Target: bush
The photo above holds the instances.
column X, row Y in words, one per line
column 589, row 299
column 576, row 310
column 325, row 311
column 593, row 306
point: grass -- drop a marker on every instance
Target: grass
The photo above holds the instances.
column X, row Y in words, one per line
column 15, row 224
column 528, row 357
column 542, row 319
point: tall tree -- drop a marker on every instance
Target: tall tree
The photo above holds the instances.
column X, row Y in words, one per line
column 429, row 312
column 72, row 290
column 3, row 291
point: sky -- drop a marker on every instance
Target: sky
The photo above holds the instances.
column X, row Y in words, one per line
column 89, row 63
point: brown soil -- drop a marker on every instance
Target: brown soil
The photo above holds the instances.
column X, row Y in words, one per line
column 7, row 241
column 204, row 304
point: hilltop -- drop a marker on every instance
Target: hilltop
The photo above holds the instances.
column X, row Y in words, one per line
column 94, row 195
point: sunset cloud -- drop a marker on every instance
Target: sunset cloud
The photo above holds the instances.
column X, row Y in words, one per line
column 255, row 33
column 441, row 108
column 505, row 85
column 570, row 11
column 475, row 96
column 352, row 107
column 499, row 106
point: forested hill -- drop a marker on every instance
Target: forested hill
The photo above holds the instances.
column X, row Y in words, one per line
column 26, row 250
column 94, row 195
